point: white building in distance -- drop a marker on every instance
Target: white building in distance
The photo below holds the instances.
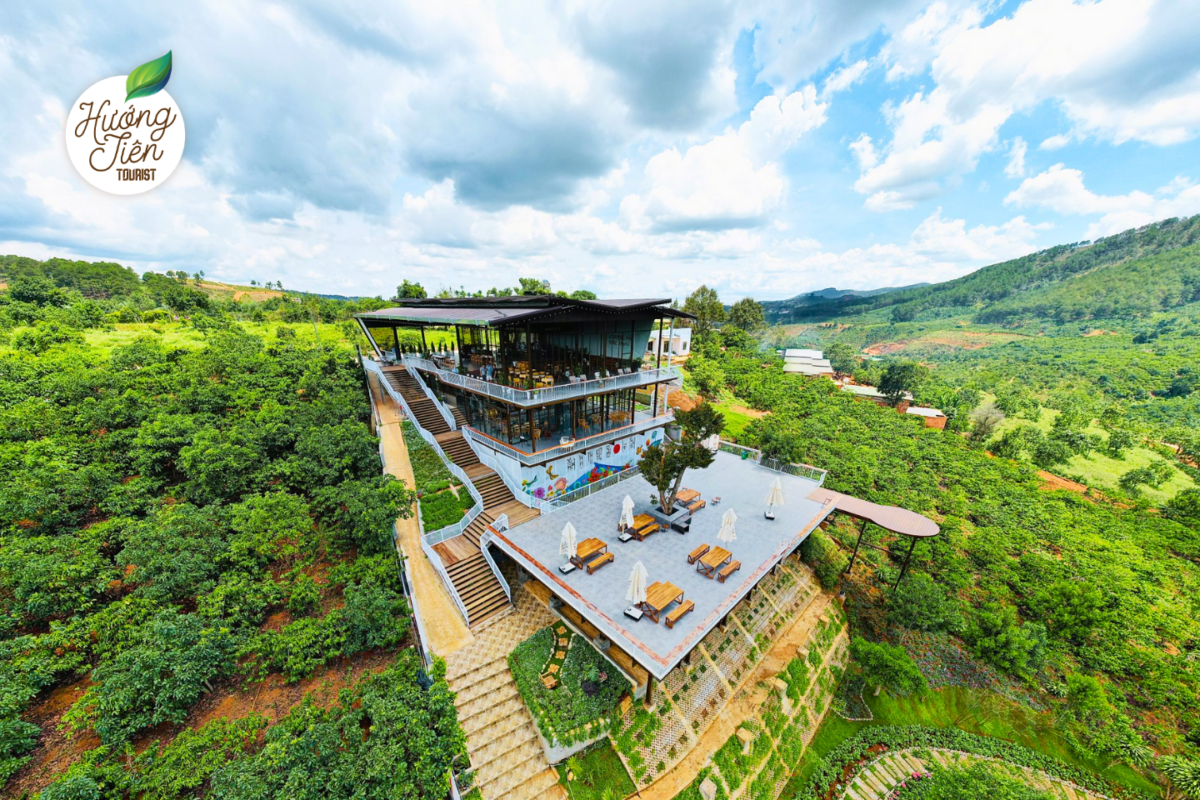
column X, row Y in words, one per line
column 806, row 362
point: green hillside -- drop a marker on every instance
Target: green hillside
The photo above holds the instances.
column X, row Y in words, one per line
column 1123, row 277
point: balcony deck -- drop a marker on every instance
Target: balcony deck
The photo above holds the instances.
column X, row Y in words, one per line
column 530, row 398
column 601, row 597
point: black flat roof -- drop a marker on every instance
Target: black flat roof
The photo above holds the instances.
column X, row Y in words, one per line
column 496, row 311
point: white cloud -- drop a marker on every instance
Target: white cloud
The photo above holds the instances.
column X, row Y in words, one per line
column 1062, row 190
column 844, row 78
column 1120, row 70
column 1055, row 142
column 1016, row 158
column 731, row 181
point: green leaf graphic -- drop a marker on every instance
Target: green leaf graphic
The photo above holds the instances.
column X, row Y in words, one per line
column 149, row 78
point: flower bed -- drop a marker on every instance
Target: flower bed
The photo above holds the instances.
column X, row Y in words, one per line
column 855, row 749
column 944, row 662
column 589, row 687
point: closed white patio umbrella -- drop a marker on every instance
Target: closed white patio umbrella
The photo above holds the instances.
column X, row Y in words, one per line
column 566, row 545
column 637, row 584
column 774, row 497
column 728, row 534
column 627, row 512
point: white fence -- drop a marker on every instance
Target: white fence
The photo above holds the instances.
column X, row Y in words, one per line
column 799, row 470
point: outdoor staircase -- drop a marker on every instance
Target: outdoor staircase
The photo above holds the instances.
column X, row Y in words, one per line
column 472, row 577
column 426, row 413
column 503, row 745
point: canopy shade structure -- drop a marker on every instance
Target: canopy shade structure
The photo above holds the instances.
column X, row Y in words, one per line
column 727, row 533
column 566, row 545
column 627, row 512
column 504, row 311
column 638, row 579
column 897, row 520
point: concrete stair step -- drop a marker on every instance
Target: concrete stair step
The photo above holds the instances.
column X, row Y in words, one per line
column 507, row 758
column 518, row 773
column 489, row 709
column 468, row 677
column 486, row 684
column 543, row 785
column 482, row 746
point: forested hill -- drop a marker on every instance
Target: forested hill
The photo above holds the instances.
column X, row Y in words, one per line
column 1122, row 277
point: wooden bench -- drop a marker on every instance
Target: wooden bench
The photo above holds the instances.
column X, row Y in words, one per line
column 695, row 505
column 598, row 562
column 674, row 616
column 728, row 570
column 699, row 551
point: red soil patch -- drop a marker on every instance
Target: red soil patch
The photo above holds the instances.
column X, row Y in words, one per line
column 1051, row 482
column 677, row 398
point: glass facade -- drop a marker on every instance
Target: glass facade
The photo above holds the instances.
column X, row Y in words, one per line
column 534, row 429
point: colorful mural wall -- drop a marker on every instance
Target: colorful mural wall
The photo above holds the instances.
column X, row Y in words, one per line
column 556, row 478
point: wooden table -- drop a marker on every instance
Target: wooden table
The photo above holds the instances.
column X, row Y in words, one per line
column 713, row 560
column 659, row 595
column 686, row 496
column 641, row 525
column 587, row 549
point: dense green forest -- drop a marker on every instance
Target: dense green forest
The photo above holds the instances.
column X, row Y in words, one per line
column 183, row 526
column 1088, row 608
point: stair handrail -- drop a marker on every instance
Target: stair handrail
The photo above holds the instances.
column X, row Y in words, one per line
column 489, row 460
column 498, row 524
column 438, row 404
column 450, row 531
column 440, row 568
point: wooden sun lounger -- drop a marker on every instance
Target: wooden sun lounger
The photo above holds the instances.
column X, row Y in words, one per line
column 597, row 563
column 674, row 616
column 728, row 570
column 697, row 553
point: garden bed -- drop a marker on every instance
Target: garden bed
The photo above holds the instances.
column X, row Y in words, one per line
column 444, row 508
column 429, row 471
column 598, row 772
column 588, row 691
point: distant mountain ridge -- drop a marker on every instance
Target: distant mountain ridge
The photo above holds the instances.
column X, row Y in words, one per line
column 1125, row 276
column 776, row 308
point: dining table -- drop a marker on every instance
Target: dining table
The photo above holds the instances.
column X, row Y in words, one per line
column 713, row 560
column 659, row 595
column 586, row 550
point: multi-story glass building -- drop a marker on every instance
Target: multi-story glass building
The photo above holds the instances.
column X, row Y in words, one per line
column 558, row 392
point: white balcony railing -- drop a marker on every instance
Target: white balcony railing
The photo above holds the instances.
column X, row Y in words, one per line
column 549, row 394
column 573, row 446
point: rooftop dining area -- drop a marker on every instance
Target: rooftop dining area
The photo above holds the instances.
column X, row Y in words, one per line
column 654, row 583
column 523, row 343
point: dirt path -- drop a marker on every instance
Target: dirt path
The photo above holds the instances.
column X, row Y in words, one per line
column 445, row 628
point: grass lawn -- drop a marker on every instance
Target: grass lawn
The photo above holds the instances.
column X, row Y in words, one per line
column 600, row 771
column 973, row 710
column 1104, row 472
column 175, row 334
column 735, row 419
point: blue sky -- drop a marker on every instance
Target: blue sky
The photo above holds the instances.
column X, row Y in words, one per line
column 762, row 148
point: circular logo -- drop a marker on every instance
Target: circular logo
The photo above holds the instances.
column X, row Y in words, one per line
column 124, row 147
